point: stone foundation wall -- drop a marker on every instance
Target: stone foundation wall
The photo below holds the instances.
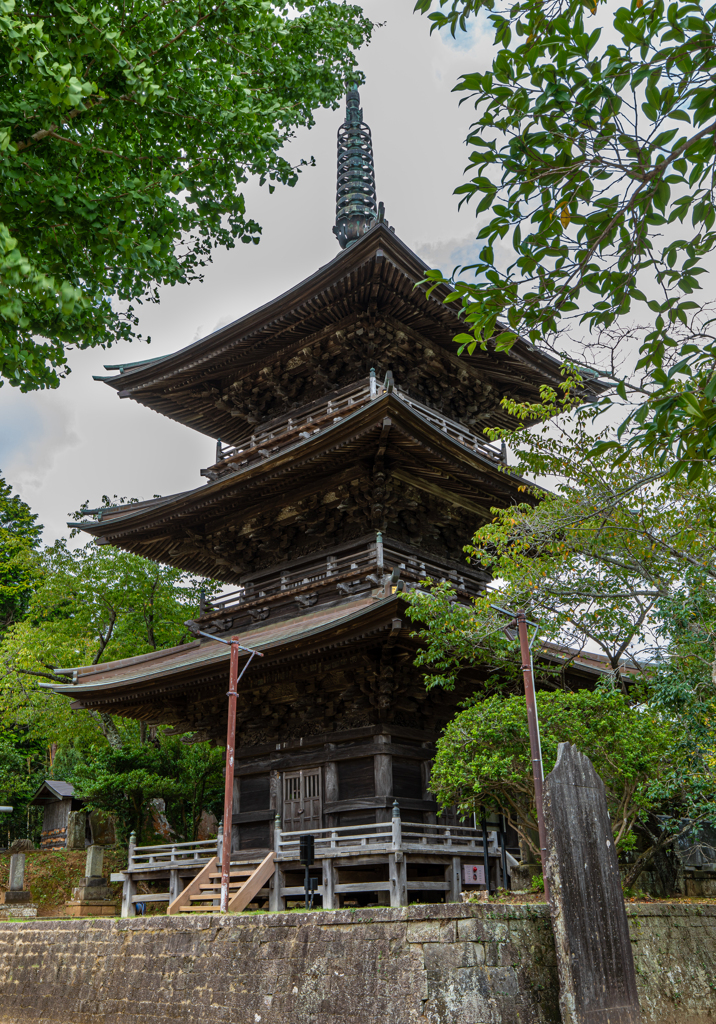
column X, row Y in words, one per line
column 443, row 964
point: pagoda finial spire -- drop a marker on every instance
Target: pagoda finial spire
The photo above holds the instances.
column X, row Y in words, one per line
column 356, row 207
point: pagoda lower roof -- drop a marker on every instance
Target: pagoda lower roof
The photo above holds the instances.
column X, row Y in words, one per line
column 415, row 452
column 113, row 683
column 378, row 275
column 127, row 687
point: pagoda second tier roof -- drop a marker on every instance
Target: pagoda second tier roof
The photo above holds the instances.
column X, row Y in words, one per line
column 263, row 494
column 376, row 276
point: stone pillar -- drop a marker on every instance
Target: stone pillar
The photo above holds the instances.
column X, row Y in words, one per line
column 17, row 901
column 597, row 981
column 94, row 885
column 17, row 872
column 91, row 898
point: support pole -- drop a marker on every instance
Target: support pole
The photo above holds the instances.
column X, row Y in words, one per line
column 229, row 780
column 485, row 857
column 535, row 746
column 230, row 741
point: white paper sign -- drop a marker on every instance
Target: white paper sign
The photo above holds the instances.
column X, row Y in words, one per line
column 473, row 874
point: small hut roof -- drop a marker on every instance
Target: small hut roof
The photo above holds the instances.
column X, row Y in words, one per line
column 53, row 790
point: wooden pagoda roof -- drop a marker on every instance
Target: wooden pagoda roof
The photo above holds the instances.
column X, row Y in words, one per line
column 376, row 275
column 158, row 686
column 415, row 452
column 117, row 683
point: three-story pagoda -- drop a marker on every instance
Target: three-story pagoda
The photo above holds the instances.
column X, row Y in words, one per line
column 350, row 464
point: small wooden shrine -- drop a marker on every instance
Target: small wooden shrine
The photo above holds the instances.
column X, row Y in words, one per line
column 350, row 464
column 58, row 802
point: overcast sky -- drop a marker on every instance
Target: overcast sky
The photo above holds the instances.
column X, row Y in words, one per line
column 58, row 448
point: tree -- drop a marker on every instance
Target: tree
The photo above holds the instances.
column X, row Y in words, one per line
column 595, row 154
column 88, row 605
column 22, row 769
column 620, row 559
column 95, row 603
column 483, row 756
column 19, row 539
column 594, row 560
column 122, row 782
column 126, row 135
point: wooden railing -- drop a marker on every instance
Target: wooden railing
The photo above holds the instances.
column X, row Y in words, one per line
column 357, row 563
column 281, row 433
column 453, row 429
column 174, row 854
column 389, row 836
column 362, row 569
column 278, row 434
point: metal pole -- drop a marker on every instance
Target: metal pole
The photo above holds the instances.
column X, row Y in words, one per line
column 535, row 747
column 229, row 781
column 230, row 740
column 485, row 858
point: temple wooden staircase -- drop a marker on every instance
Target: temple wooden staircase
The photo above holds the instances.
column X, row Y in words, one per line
column 247, row 878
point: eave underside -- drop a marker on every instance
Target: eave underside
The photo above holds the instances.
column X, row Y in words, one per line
column 382, row 469
column 363, row 310
column 319, row 675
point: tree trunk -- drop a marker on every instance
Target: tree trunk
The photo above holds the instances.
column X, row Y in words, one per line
column 109, row 729
column 661, row 841
column 667, row 870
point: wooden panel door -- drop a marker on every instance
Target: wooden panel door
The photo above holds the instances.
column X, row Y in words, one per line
column 302, row 804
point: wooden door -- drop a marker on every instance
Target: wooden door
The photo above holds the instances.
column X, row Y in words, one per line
column 302, row 805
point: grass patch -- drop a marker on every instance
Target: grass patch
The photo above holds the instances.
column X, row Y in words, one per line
column 51, row 875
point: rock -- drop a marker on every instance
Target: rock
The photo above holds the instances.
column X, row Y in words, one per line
column 160, row 823
column 103, row 828
column 25, row 911
column 76, row 829
column 21, row 846
column 521, row 877
column 208, row 826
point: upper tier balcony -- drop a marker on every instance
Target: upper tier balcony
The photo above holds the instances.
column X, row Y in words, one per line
column 302, row 424
column 353, row 571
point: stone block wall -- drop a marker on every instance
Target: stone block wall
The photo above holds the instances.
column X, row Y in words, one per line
column 442, row 964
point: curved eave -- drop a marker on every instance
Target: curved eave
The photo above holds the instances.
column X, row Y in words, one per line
column 172, row 669
column 292, row 318
column 469, row 467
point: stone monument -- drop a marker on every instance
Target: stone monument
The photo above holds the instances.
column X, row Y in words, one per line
column 17, row 901
column 591, row 933
column 92, row 897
